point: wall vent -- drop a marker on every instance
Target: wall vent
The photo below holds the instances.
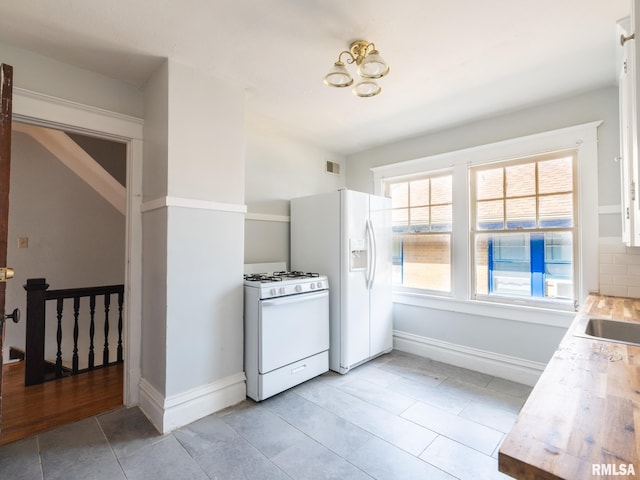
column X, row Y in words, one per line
column 333, row 168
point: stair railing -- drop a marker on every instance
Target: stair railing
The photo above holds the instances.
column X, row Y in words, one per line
column 37, row 296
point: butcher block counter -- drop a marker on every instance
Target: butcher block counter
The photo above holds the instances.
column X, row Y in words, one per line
column 582, row 419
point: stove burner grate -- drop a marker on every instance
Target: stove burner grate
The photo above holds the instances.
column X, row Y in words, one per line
column 296, row 274
column 262, row 277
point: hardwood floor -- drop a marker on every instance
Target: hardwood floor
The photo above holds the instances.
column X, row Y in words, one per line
column 27, row 411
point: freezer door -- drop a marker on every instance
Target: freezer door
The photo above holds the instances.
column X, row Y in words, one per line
column 354, row 293
column 380, row 294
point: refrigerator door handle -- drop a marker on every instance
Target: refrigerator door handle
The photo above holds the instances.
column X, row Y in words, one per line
column 371, row 260
column 374, row 253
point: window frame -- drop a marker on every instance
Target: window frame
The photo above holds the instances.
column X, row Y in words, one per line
column 574, row 229
column 423, row 176
column 584, row 139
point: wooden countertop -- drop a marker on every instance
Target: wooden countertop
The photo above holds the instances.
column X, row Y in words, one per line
column 584, row 410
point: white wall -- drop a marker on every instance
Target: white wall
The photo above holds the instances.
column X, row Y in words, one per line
column 517, row 347
column 75, row 238
column 47, row 76
column 279, row 168
column 193, row 223
column 154, row 232
column 601, row 104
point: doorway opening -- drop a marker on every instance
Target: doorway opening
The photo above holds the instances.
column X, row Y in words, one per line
column 87, row 125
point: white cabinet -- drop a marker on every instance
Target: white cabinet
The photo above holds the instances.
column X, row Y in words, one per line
column 629, row 123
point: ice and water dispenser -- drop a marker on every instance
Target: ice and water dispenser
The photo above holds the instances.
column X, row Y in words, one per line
column 358, row 254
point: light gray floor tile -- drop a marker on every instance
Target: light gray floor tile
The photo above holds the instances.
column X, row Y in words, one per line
column 462, row 462
column 487, row 396
column 469, row 392
column 490, row 416
column 445, row 399
column 78, row 451
column 385, row 398
column 127, row 430
column 163, row 460
column 369, row 372
column 412, row 366
column 461, row 374
column 223, row 454
column 396, row 430
column 383, row 461
column 21, row 460
column 467, row 432
column 263, row 429
column 327, row 428
column 409, row 368
column 308, row 460
column 377, row 421
column 510, row 388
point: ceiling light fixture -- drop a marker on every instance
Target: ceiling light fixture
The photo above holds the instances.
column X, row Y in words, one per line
column 370, row 66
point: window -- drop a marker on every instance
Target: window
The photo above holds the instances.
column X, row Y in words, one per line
column 523, row 227
column 422, row 222
column 512, row 240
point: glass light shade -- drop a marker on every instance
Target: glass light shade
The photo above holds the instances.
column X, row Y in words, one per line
column 338, row 76
column 373, row 66
column 366, row 88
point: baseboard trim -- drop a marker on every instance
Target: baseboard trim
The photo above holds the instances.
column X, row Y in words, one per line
column 170, row 413
column 496, row 364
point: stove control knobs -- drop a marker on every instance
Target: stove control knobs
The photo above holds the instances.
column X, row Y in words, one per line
column 319, row 284
column 282, row 291
column 273, row 291
column 298, row 288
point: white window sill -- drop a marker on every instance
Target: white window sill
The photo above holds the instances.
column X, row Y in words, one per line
column 517, row 313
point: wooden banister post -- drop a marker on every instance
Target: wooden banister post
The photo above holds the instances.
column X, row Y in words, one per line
column 34, row 345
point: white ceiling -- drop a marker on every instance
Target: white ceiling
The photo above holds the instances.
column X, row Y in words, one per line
column 451, row 61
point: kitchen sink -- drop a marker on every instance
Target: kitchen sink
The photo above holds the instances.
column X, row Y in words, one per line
column 609, row 330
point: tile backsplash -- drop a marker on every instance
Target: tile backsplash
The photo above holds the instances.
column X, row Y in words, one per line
column 619, row 268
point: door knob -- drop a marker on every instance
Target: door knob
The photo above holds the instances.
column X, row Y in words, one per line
column 15, row 315
column 6, row 273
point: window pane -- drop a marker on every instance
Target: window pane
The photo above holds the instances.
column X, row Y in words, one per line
column 503, row 264
column 525, row 265
column 482, row 264
column 400, row 219
column 441, row 190
column 399, row 195
column 558, row 257
column 556, row 210
column 511, row 247
column 489, row 184
column 521, row 213
column 423, row 261
column 441, row 218
column 420, row 219
column 521, row 180
column 490, row 215
column 419, row 193
column 555, row 175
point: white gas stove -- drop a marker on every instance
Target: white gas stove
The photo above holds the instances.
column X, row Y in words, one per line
column 283, row 283
column 286, row 318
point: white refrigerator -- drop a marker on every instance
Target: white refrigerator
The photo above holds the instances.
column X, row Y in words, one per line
column 346, row 235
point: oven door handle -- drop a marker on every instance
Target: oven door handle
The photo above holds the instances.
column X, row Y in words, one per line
column 300, row 297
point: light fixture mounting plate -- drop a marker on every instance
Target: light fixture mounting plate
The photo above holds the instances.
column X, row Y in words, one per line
column 359, row 50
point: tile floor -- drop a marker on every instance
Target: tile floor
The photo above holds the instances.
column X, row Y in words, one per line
column 397, row 417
